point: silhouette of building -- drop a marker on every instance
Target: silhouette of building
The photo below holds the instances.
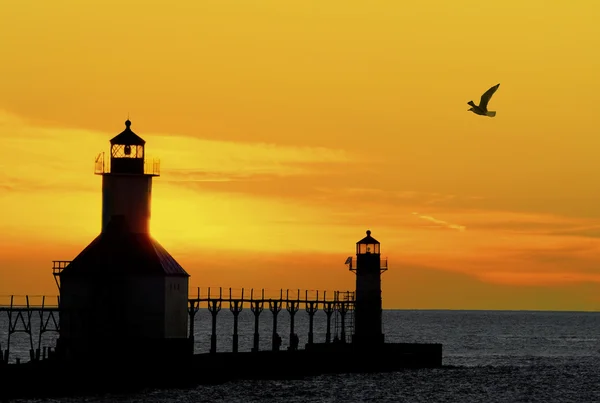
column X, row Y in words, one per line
column 124, row 296
column 368, row 309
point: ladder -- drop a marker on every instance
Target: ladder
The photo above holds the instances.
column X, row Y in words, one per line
column 344, row 301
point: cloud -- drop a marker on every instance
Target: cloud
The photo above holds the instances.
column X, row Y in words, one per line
column 43, row 184
column 540, row 279
column 294, row 198
column 511, row 223
column 440, row 223
column 590, row 231
column 427, row 286
column 62, row 158
column 437, row 198
column 185, row 177
column 191, row 155
column 256, row 172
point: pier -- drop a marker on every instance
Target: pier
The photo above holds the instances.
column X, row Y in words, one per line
column 124, row 308
column 21, row 315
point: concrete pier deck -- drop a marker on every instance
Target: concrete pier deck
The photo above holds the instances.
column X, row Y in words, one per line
column 51, row 378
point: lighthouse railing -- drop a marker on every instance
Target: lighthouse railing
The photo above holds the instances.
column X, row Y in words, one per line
column 152, row 167
column 99, row 167
column 102, row 165
column 383, row 266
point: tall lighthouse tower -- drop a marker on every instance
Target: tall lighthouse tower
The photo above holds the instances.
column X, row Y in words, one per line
column 367, row 314
column 124, row 297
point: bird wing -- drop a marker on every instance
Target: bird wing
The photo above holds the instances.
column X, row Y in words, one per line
column 485, row 98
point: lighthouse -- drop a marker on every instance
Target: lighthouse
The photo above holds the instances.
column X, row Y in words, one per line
column 124, row 297
column 126, row 183
column 367, row 311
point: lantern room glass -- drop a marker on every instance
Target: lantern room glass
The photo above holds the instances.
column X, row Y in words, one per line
column 367, row 248
column 127, row 151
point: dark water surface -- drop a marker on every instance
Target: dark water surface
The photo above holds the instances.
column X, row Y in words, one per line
column 489, row 356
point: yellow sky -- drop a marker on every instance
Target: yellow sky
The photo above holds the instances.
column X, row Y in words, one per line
column 286, row 129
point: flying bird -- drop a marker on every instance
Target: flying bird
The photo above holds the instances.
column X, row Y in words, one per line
column 481, row 109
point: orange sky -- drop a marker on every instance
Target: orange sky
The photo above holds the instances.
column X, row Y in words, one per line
column 286, row 129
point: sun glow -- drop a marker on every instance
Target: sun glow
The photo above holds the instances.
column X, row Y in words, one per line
column 285, row 130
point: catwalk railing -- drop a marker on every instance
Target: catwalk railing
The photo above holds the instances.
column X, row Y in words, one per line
column 37, row 315
column 26, row 316
column 336, row 302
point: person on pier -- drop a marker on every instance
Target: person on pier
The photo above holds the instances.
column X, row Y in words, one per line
column 277, row 343
column 294, row 342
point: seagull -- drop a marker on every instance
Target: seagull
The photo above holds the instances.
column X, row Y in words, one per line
column 481, row 109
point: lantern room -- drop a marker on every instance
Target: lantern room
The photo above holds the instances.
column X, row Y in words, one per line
column 367, row 245
column 127, row 152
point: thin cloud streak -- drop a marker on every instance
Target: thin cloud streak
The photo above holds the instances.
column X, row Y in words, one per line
column 440, row 223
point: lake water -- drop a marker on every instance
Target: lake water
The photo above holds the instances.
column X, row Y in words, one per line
column 489, row 356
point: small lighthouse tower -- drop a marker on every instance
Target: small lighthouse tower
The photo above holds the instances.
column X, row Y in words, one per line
column 124, row 297
column 367, row 313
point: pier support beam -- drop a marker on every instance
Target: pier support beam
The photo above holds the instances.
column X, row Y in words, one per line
column 256, row 307
column 292, row 307
column 214, row 306
column 275, row 307
column 235, row 306
column 311, row 308
column 328, row 307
